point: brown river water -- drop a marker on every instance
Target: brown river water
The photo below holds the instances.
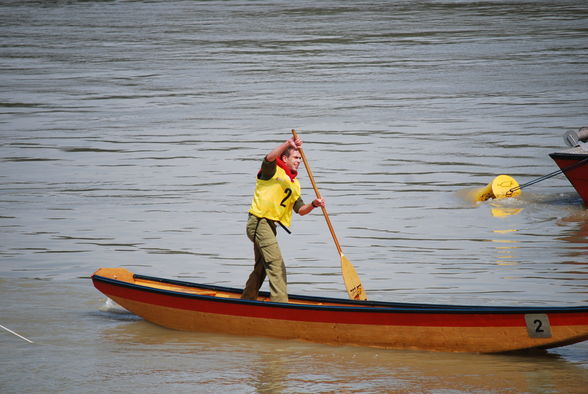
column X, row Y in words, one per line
column 131, row 133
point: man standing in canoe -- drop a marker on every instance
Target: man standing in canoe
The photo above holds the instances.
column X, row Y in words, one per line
column 277, row 194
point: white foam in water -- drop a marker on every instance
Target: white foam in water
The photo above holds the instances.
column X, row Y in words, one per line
column 112, row 307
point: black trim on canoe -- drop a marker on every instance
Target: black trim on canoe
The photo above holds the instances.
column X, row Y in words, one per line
column 568, row 155
column 348, row 305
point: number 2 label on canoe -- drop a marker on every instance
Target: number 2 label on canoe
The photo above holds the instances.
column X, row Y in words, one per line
column 538, row 325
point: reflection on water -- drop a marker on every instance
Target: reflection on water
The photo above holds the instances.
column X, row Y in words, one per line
column 266, row 365
column 579, row 233
column 502, row 212
column 505, row 254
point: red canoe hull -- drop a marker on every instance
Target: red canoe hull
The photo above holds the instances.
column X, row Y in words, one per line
column 193, row 307
column 574, row 164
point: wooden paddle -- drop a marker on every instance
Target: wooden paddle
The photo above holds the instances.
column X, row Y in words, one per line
column 350, row 277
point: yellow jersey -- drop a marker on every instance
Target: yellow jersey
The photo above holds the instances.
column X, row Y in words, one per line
column 274, row 198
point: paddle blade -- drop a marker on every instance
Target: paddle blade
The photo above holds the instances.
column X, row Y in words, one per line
column 351, row 279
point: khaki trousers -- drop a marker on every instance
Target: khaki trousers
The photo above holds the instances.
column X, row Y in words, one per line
column 268, row 261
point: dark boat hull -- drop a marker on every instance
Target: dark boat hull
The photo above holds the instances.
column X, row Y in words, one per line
column 574, row 164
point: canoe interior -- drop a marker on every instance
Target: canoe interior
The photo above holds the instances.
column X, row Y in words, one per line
column 230, row 294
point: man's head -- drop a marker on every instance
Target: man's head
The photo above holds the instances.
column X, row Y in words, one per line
column 291, row 156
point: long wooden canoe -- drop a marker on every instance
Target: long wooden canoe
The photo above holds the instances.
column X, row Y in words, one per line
column 455, row 328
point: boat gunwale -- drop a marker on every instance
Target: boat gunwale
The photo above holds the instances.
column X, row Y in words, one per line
column 348, row 305
column 567, row 155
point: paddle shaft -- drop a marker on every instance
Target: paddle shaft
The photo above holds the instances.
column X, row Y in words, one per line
column 318, row 195
column 352, row 282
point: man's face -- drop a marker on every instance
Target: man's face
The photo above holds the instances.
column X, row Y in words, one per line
column 293, row 161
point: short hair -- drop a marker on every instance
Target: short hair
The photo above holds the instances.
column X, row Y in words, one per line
column 288, row 151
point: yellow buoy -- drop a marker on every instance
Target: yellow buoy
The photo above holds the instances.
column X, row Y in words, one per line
column 500, row 187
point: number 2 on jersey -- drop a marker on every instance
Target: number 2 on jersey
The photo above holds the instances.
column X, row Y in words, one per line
column 288, row 193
